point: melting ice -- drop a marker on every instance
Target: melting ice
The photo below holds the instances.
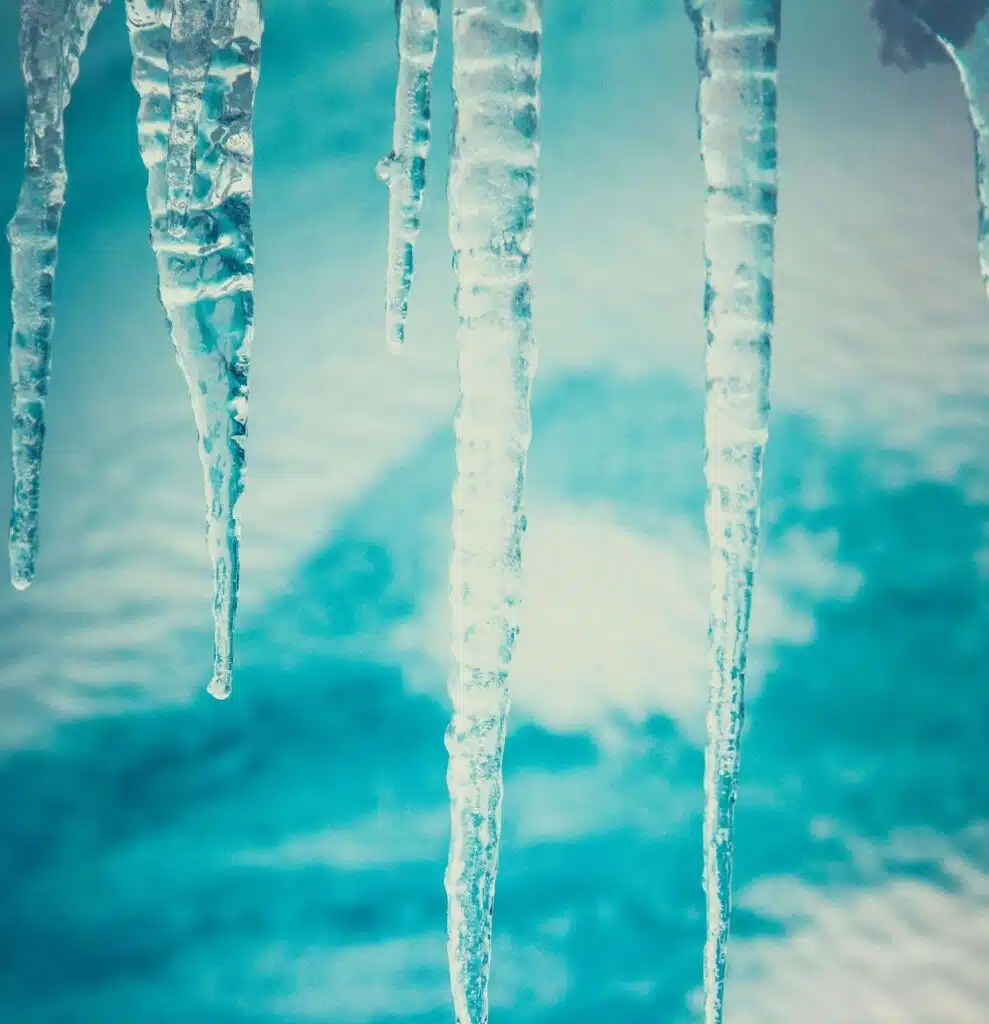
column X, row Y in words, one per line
column 206, row 270
column 53, row 37
column 737, row 43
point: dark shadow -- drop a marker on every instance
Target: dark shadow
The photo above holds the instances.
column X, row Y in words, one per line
column 908, row 45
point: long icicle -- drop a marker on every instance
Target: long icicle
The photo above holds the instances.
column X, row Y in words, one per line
column 404, row 169
column 198, row 27
column 492, row 193
column 53, row 36
column 737, row 43
column 206, row 278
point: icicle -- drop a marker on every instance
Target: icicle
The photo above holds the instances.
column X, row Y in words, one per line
column 737, row 43
column 492, row 191
column 52, row 38
column 404, row 169
column 197, row 28
column 206, row 278
column 971, row 57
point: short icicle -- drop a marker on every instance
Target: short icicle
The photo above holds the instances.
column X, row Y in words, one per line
column 404, row 169
column 492, row 194
column 206, row 277
column 53, row 36
column 737, row 43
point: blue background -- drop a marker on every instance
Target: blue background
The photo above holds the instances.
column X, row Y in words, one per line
column 279, row 858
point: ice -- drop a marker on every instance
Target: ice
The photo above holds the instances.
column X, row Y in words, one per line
column 404, row 169
column 198, row 27
column 206, row 277
column 971, row 57
column 737, row 43
column 492, row 193
column 52, row 38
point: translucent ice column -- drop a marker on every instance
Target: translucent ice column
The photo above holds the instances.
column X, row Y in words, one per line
column 206, row 275
column 737, row 43
column 53, row 36
column 492, row 193
column 404, row 169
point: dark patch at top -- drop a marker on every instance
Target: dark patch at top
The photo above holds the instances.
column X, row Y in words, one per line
column 910, row 29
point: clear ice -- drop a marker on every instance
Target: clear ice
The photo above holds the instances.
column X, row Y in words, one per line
column 53, row 36
column 737, row 42
column 198, row 27
column 404, row 169
column 492, row 195
column 206, row 276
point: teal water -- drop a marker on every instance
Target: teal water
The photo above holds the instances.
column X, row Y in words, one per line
column 279, row 858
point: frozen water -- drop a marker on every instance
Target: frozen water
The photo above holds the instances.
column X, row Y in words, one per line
column 736, row 56
column 492, row 191
column 53, row 36
column 404, row 169
column 206, row 276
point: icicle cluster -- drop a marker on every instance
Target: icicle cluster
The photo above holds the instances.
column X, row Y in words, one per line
column 492, row 195
column 404, row 169
column 53, row 36
column 737, row 43
column 206, row 267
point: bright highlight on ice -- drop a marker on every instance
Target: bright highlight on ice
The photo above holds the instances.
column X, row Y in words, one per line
column 206, row 270
column 404, row 169
column 53, row 36
column 737, row 43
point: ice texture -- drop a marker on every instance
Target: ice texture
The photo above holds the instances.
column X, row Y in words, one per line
column 737, row 42
column 206, row 277
column 198, row 28
column 492, row 195
column 404, row 169
column 53, row 36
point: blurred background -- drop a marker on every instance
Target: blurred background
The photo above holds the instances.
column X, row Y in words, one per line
column 165, row 859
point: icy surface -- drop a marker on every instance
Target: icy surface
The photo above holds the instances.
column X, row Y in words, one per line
column 736, row 57
column 404, row 169
column 197, row 27
column 206, row 277
column 52, row 38
column 492, row 192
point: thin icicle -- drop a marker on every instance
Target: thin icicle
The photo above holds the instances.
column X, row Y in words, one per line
column 404, row 169
column 206, row 279
column 737, row 42
column 53, row 36
column 492, row 192
column 971, row 57
column 198, row 28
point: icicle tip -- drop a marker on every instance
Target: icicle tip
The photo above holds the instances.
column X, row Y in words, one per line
column 220, row 686
column 20, row 582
